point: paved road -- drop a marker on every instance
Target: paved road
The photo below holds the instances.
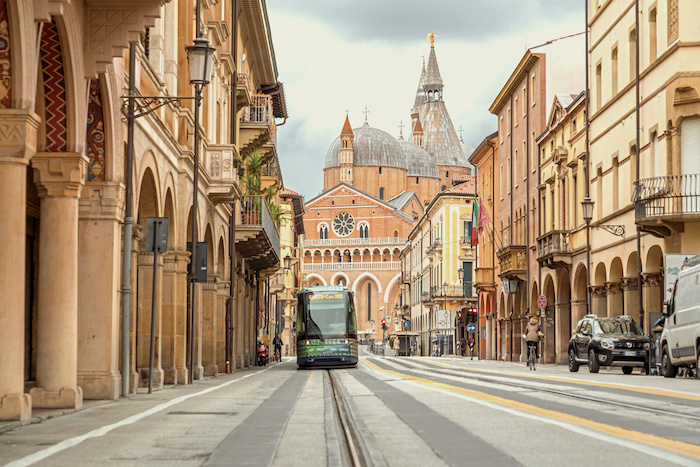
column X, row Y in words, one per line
column 404, row 411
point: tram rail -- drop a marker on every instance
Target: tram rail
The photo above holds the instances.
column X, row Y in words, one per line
column 524, row 385
column 356, row 453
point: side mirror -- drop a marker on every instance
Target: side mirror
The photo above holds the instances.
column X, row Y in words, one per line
column 665, row 308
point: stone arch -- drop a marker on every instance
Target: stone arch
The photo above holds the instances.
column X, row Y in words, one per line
column 631, row 268
column 534, row 295
column 652, row 283
column 564, row 318
column 392, row 289
column 501, row 306
column 339, row 275
column 169, row 212
column 22, row 55
column 221, row 259
column 314, row 278
column 579, row 301
column 598, row 295
column 96, row 138
column 209, row 238
column 148, row 202
column 369, row 275
column 654, row 260
column 148, row 165
column 56, row 92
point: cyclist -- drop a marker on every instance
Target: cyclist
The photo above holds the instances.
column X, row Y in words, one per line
column 533, row 333
column 277, row 343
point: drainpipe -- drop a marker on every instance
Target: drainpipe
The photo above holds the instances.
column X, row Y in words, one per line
column 128, row 225
column 527, row 186
column 232, row 217
column 636, row 115
column 493, row 239
column 510, row 225
column 586, row 174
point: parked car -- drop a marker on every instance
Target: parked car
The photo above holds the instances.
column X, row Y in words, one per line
column 680, row 339
column 615, row 341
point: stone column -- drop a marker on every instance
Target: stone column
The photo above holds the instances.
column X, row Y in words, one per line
column 169, row 317
column 60, row 178
column 653, row 295
column 209, row 324
column 562, row 331
column 551, row 313
column 144, row 326
column 631, row 297
column 198, row 367
column 614, row 296
column 600, row 302
column 99, row 276
column 137, row 240
column 489, row 338
column 239, row 323
column 17, row 145
column 222, row 295
column 180, row 322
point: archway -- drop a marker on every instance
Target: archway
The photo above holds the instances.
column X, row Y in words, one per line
column 563, row 316
column 615, row 297
column 579, row 304
column 549, row 321
column 630, row 287
column 653, row 280
column 598, row 292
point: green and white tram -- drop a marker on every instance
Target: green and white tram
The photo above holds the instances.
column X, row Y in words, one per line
column 326, row 327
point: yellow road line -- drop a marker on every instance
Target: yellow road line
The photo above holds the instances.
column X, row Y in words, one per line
column 658, row 392
column 679, row 447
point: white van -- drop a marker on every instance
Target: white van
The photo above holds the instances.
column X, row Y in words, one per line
column 680, row 339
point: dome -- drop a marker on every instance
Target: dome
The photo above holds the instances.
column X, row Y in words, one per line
column 371, row 147
column 419, row 162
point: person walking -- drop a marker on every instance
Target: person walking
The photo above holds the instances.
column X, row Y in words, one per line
column 277, row 344
column 470, row 343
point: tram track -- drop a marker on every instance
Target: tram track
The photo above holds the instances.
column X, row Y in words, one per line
column 522, row 385
column 356, row 453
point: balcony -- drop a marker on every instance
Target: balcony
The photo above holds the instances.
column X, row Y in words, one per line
column 374, row 241
column 466, row 242
column 243, row 95
column 484, row 279
column 277, row 282
column 257, row 239
column 553, row 249
column 512, row 260
column 663, row 204
column 224, row 183
column 258, row 129
column 358, row 266
column 465, row 292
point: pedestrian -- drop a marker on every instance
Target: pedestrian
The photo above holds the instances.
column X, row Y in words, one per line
column 471, row 347
column 462, row 347
column 396, row 346
column 277, row 343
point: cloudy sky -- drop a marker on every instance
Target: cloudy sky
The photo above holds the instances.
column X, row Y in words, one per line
column 335, row 56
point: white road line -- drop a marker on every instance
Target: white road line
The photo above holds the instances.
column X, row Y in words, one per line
column 643, row 448
column 69, row 443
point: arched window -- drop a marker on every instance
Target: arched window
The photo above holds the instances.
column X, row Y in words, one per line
column 323, row 231
column 364, row 230
column 381, row 193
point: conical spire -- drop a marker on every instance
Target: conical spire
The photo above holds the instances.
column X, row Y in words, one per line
column 347, row 129
column 420, row 93
column 432, row 77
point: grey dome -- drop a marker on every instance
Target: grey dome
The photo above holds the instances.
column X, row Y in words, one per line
column 419, row 162
column 371, row 146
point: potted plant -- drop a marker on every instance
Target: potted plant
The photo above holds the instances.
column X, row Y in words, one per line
column 253, row 163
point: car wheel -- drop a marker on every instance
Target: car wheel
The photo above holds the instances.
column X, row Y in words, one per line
column 667, row 368
column 593, row 365
column 573, row 364
column 627, row 370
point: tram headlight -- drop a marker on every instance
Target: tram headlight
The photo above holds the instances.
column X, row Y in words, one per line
column 347, row 341
column 308, row 342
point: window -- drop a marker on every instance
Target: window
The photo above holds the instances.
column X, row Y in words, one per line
column 515, row 112
column 524, row 102
column 655, row 154
column 501, row 130
column 508, row 121
column 515, row 167
column 599, row 189
column 369, row 301
column 416, row 180
column 613, row 66
column 598, row 86
column 508, row 173
column 633, row 169
column 574, row 190
column 616, row 184
column 501, row 181
column 323, row 231
column 466, row 232
column 534, row 152
column 533, row 89
column 345, row 144
column 343, row 224
column 381, row 193
column 652, row 35
column 524, row 160
column 447, row 174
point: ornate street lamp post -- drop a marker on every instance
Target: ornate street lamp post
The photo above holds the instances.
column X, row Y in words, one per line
column 587, row 208
column 199, row 58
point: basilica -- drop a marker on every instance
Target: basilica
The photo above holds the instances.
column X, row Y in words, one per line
column 375, row 188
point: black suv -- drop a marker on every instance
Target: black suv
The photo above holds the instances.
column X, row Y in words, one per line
column 617, row 341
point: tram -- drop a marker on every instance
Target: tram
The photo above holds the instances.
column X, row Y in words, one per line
column 326, row 327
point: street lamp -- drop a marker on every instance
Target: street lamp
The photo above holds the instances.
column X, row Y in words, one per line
column 511, row 286
column 287, row 262
column 199, row 58
column 587, row 208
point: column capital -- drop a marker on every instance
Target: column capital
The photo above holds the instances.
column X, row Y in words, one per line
column 629, row 283
column 60, row 174
column 104, row 200
column 651, row 279
column 18, row 135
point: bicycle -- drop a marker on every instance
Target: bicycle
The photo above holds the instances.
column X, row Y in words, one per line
column 278, row 355
column 532, row 357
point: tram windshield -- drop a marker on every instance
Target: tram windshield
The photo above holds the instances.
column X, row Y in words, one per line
column 327, row 316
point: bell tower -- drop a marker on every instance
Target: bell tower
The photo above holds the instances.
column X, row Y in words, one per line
column 347, row 154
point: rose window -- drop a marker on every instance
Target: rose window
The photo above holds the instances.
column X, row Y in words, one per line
column 343, row 224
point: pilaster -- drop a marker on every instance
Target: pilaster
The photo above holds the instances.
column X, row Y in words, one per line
column 60, row 178
column 18, row 135
column 144, row 326
column 209, row 325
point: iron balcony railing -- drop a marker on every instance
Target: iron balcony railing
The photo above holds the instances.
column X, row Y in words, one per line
column 255, row 212
column 440, row 292
column 260, row 111
column 670, row 195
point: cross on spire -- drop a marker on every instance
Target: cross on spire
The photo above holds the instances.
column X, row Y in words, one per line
column 401, row 128
column 460, row 133
column 366, row 112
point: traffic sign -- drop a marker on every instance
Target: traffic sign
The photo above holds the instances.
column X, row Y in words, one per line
column 541, row 302
column 471, row 328
column 406, row 324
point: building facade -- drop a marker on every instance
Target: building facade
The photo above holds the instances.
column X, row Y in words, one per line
column 64, row 178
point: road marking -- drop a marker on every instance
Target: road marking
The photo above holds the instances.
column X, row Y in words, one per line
column 647, row 441
column 69, row 443
column 653, row 391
